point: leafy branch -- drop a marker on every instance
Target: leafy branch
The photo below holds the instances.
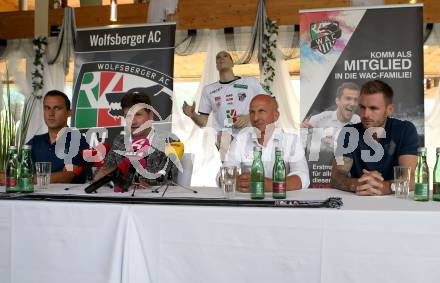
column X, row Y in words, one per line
column 40, row 44
column 268, row 53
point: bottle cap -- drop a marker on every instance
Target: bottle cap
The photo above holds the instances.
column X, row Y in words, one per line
column 278, row 148
column 421, row 149
column 257, row 148
column 437, row 149
column 26, row 146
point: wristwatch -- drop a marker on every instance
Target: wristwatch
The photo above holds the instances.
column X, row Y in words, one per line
column 392, row 188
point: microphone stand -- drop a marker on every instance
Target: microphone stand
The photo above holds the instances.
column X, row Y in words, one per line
column 172, row 183
column 168, row 181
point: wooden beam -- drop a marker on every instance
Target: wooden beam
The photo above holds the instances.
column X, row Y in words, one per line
column 95, row 16
column 431, row 9
column 17, row 25
column 21, row 24
column 214, row 14
column 9, row 5
column 41, row 27
column 191, row 14
column 287, row 12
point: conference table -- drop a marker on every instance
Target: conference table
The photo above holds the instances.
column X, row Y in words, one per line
column 68, row 236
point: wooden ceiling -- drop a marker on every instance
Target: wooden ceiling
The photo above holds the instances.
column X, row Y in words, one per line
column 195, row 14
column 12, row 5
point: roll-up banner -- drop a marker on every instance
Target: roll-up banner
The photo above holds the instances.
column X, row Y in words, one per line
column 111, row 61
column 340, row 50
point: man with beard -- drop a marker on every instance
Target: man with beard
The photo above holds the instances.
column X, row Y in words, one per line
column 366, row 152
column 347, row 98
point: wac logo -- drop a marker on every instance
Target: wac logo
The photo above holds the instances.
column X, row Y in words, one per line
column 94, row 108
column 324, row 35
column 231, row 115
column 100, row 94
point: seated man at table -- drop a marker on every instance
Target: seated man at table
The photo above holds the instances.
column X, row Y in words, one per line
column 383, row 142
column 263, row 113
column 56, row 109
column 140, row 129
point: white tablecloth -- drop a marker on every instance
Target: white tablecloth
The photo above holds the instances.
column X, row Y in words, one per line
column 370, row 239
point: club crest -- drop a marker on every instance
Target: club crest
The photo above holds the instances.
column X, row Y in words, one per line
column 324, row 35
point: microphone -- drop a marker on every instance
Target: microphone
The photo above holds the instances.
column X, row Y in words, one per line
column 174, row 151
column 120, row 174
column 177, row 148
column 100, row 182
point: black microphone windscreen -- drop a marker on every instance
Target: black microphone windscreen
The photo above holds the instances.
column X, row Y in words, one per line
column 100, row 182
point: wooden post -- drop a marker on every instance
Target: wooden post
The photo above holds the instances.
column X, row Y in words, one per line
column 41, row 25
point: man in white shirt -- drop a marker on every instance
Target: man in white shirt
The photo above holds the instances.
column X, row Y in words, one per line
column 263, row 113
column 347, row 100
column 228, row 99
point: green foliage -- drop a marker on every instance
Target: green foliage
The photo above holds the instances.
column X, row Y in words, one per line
column 268, row 56
column 40, row 44
column 7, row 126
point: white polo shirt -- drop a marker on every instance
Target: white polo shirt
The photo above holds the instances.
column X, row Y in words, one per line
column 328, row 120
column 229, row 100
column 241, row 153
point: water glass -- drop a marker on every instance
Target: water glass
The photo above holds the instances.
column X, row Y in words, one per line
column 228, row 180
column 43, row 171
column 245, row 167
column 402, row 177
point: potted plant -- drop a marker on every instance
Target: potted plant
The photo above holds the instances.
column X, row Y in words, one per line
column 7, row 129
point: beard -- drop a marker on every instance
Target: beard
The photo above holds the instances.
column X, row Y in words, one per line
column 370, row 123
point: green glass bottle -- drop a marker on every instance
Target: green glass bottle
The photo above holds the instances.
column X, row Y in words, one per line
column 421, row 189
column 257, row 175
column 12, row 171
column 26, row 171
column 279, row 176
column 436, row 177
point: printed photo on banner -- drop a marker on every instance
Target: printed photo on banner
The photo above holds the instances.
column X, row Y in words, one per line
column 340, row 51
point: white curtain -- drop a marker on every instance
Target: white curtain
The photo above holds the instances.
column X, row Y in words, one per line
column 19, row 51
column 432, row 130
column 282, row 89
column 19, row 56
column 199, row 141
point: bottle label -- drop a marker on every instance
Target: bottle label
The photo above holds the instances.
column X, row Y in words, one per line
column 257, row 189
column 26, row 185
column 436, row 191
column 11, row 182
column 421, row 189
column 279, row 187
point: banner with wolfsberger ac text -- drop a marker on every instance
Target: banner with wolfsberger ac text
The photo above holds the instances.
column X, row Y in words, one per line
column 340, row 50
column 111, row 61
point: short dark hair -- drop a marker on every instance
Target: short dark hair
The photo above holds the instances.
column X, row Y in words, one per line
column 54, row 93
column 346, row 85
column 224, row 51
column 133, row 98
column 378, row 86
